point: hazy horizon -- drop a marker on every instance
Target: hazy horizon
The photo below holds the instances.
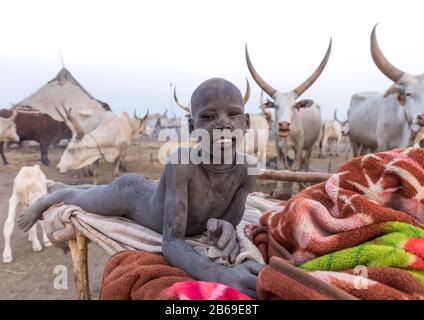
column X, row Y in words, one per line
column 127, row 53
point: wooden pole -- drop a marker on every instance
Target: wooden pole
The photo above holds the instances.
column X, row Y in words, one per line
column 78, row 248
column 293, row 176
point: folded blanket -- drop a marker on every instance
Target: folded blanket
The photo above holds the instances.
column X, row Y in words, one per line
column 137, row 275
column 362, row 230
column 116, row 234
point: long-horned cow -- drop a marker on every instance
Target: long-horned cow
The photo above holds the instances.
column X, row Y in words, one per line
column 109, row 141
column 256, row 140
column 332, row 132
column 296, row 123
column 7, row 133
column 390, row 120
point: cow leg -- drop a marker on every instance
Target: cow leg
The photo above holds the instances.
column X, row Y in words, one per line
column 355, row 147
column 44, row 149
column 46, row 240
column 323, row 146
column 116, row 166
column 3, row 157
column 337, row 146
column 123, row 161
column 8, row 228
column 36, row 245
column 298, row 149
column 307, row 159
column 262, row 159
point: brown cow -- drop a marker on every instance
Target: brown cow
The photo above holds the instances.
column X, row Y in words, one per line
column 34, row 125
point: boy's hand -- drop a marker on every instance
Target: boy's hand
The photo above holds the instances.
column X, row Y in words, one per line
column 242, row 277
column 224, row 236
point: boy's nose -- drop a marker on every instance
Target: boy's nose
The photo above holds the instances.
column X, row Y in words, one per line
column 223, row 124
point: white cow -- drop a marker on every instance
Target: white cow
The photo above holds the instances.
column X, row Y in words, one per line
column 7, row 132
column 256, row 140
column 381, row 122
column 332, row 132
column 109, row 141
column 297, row 124
column 29, row 185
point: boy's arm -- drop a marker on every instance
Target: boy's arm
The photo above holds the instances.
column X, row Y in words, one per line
column 179, row 254
column 223, row 230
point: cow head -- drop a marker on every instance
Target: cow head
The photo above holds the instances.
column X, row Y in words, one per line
column 407, row 89
column 187, row 108
column 75, row 155
column 344, row 125
column 138, row 125
column 8, row 128
column 286, row 103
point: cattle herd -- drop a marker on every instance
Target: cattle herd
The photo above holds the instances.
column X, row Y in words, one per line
column 63, row 110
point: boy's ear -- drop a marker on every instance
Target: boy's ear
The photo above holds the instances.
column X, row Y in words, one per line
column 190, row 124
column 247, row 116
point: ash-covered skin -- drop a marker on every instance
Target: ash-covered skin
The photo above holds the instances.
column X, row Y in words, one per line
column 189, row 198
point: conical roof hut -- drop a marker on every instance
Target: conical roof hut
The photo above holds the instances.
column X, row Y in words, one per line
column 65, row 90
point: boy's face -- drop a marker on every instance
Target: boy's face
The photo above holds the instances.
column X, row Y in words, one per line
column 221, row 115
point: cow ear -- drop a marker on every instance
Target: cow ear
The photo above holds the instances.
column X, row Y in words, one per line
column 305, row 103
column 399, row 92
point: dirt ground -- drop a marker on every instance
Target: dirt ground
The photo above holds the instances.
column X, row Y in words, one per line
column 31, row 275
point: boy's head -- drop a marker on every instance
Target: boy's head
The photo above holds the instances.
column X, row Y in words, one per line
column 216, row 105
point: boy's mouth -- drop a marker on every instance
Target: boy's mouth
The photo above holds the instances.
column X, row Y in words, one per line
column 225, row 141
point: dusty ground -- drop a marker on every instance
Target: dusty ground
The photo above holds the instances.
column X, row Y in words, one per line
column 31, row 274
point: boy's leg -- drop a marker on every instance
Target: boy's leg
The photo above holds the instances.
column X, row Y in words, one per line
column 115, row 199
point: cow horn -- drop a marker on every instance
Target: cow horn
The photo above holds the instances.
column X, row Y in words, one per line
column 146, row 115
column 380, row 60
column 79, row 131
column 247, row 93
column 313, row 77
column 261, row 82
column 179, row 103
column 335, row 116
column 13, row 116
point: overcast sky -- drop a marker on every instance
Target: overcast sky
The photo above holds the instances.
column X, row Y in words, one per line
column 127, row 52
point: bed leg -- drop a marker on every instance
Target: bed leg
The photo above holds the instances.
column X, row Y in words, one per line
column 78, row 248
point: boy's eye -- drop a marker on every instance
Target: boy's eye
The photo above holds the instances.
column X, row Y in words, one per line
column 207, row 116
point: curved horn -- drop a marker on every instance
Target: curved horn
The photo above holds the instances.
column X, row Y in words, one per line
column 135, row 114
column 261, row 82
column 313, row 77
column 146, row 115
column 77, row 127
column 380, row 60
column 247, row 93
column 335, row 116
column 179, row 103
column 13, row 116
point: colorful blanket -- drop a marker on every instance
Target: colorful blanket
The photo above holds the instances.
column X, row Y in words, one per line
column 138, row 275
column 362, row 230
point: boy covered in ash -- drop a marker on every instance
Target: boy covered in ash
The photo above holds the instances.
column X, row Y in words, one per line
column 189, row 198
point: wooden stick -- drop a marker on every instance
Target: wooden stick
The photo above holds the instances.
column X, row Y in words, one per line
column 293, row 176
column 78, row 248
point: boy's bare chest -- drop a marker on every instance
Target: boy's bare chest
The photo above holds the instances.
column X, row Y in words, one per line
column 211, row 195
